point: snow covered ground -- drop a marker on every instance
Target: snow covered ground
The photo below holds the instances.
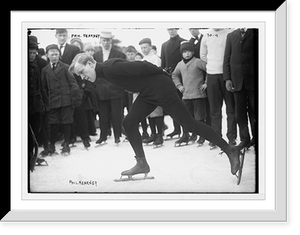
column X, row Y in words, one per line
column 188, row 169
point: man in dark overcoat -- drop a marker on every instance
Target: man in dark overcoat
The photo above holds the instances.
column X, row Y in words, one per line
column 170, row 57
column 241, row 76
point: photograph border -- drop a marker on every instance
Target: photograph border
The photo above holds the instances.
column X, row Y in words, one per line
column 279, row 213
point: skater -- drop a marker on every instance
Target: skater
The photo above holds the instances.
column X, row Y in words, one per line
column 63, row 95
column 156, row 89
column 189, row 79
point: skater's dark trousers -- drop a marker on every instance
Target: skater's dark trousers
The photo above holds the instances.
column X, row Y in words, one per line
column 172, row 104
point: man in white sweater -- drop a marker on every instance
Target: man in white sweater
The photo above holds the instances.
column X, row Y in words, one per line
column 212, row 52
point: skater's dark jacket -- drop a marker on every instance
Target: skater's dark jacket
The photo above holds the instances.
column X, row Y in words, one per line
column 149, row 80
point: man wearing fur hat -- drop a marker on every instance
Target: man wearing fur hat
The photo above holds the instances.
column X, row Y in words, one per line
column 63, row 94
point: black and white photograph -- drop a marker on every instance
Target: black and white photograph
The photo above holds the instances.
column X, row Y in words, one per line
column 149, row 116
column 145, row 109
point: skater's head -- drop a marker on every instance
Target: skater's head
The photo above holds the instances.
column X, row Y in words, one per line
column 84, row 66
column 187, row 50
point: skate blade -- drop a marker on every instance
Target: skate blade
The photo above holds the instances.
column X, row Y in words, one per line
column 181, row 145
column 41, row 162
column 157, row 146
column 131, row 178
column 100, row 145
column 240, row 172
column 64, row 154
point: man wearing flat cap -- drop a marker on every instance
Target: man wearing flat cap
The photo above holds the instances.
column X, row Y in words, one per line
column 109, row 96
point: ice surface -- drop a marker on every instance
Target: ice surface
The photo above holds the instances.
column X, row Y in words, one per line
column 186, row 169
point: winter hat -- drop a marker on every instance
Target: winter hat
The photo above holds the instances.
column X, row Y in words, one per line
column 145, row 40
column 187, row 46
column 51, row 47
column 32, row 45
column 130, row 49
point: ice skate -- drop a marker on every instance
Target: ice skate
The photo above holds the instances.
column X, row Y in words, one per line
column 41, row 162
column 200, row 141
column 233, row 153
column 65, row 150
column 150, row 139
column 212, row 146
column 193, row 138
column 100, row 142
column 52, row 151
column 158, row 142
column 184, row 139
column 240, row 172
column 86, row 143
column 174, row 133
column 141, row 167
column 117, row 141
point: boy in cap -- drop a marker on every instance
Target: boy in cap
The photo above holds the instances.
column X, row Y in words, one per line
column 156, row 89
column 189, row 79
column 63, row 94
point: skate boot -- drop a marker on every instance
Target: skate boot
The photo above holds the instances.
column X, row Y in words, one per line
column 101, row 141
column 145, row 136
column 183, row 139
column 150, row 140
column 141, row 167
column 86, row 143
column 193, row 138
column 200, row 141
column 233, row 153
column 65, row 150
column 52, row 150
column 158, row 141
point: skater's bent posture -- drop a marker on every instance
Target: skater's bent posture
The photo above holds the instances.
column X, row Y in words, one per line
column 156, row 88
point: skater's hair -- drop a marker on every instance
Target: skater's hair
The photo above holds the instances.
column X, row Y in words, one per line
column 81, row 58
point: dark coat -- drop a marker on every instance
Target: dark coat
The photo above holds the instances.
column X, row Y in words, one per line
column 197, row 45
column 105, row 90
column 170, row 52
column 59, row 86
column 241, row 59
column 69, row 53
column 35, row 95
column 153, row 85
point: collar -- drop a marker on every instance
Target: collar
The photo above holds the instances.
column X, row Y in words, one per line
column 174, row 38
column 63, row 45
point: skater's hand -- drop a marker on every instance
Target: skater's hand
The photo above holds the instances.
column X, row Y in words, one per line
column 203, row 87
column 229, row 86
